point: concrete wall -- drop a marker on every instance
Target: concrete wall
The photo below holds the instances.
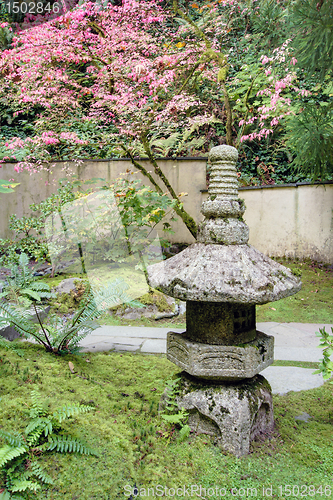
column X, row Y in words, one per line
column 291, row 220
column 295, row 221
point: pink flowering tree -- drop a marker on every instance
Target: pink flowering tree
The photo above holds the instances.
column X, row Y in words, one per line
column 272, row 92
column 136, row 80
column 117, row 79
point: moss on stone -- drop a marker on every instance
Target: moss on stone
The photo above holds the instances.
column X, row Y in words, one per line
column 157, row 298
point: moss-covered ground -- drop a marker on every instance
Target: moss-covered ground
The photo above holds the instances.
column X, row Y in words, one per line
column 313, row 304
column 136, row 448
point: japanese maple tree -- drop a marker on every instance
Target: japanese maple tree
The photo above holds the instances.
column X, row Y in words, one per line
column 120, row 69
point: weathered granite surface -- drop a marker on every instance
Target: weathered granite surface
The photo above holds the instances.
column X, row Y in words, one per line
column 221, row 266
column 220, row 323
column 221, row 363
column 222, row 278
column 221, row 273
column 235, row 413
column 223, row 231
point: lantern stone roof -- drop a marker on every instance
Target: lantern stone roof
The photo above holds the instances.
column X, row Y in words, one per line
column 221, row 266
column 223, row 273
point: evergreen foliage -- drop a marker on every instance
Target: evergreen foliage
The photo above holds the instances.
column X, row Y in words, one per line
column 171, row 414
column 313, row 20
column 310, row 132
column 310, row 136
column 23, row 472
column 326, row 342
column 55, row 335
column 22, row 287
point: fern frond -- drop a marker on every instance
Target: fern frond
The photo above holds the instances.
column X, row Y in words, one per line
column 174, row 419
column 17, row 318
column 39, row 286
column 24, row 485
column 184, row 433
column 73, row 334
column 37, row 409
column 68, row 411
column 68, row 444
column 30, row 293
column 40, row 473
column 36, row 428
column 43, row 290
column 8, row 453
column 34, row 424
column 113, row 294
column 34, row 436
column 12, row 439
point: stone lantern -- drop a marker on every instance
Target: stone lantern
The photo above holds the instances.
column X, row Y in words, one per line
column 221, row 353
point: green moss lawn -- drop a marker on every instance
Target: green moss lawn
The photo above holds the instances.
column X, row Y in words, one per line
column 135, row 447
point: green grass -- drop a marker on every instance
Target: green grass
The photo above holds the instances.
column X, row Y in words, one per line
column 128, row 433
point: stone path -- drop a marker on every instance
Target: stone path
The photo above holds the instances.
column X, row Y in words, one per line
column 293, row 341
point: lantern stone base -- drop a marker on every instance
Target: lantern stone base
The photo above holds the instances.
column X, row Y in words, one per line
column 221, row 362
column 235, row 413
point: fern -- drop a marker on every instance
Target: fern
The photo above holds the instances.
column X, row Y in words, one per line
column 18, row 458
column 184, row 433
column 174, row 416
column 68, row 411
column 38, row 471
column 12, row 439
column 19, row 319
column 171, row 391
column 67, row 444
column 8, row 453
column 34, row 436
column 55, row 336
column 177, row 418
column 24, row 485
column 37, row 409
column 5, row 496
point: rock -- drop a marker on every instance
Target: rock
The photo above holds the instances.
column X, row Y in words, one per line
column 150, row 311
column 221, row 363
column 132, row 315
column 10, row 333
column 43, row 269
column 163, row 315
column 67, row 285
column 303, row 417
column 234, row 413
